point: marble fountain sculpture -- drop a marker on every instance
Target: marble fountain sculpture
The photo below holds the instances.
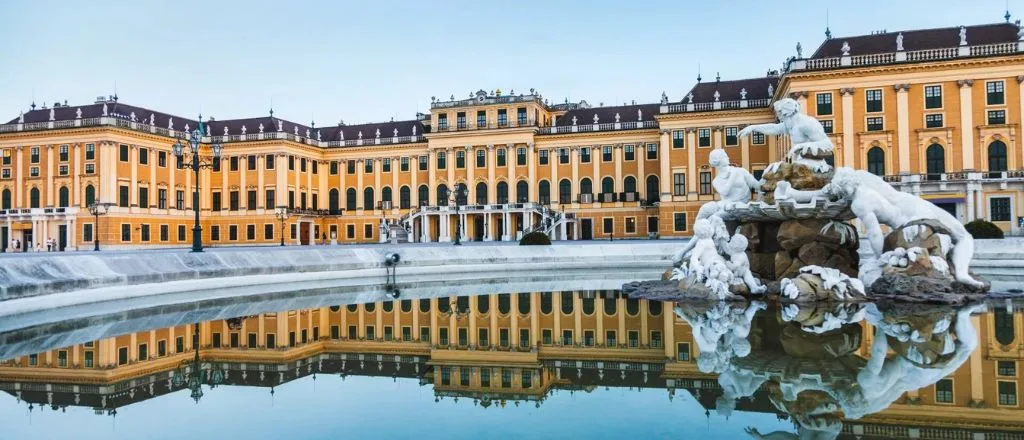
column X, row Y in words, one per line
column 796, row 239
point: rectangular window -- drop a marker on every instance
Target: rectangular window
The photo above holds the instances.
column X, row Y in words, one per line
column 609, row 338
column 62, row 169
column 179, row 199
column 62, row 153
column 404, row 164
column 33, row 172
column 367, row 231
column 350, row 167
column 608, row 226
column 502, row 118
column 932, row 96
column 233, row 232
column 143, row 156
column 730, row 137
column 460, row 120
column 215, row 201
column 521, row 156
column 181, row 164
column 250, row 162
column 483, row 339
column 442, row 336
column 585, row 154
column 683, row 351
column 302, row 165
column 543, row 157
column 828, row 125
column 996, row 117
column 88, row 359
column 90, row 168
column 824, row 101
column 521, row 116
column 1006, row 368
column 181, row 233
column 652, row 151
column 678, row 139
column 999, row 209
column 633, row 338
column 630, row 152
column 270, row 162
column 481, row 119
column 214, row 233
column 385, row 165
column 161, row 159
column 251, row 196
column 143, row 197
column 423, row 163
column 268, row 231
column 406, row 334
column 233, row 201
column 679, row 184
column 757, row 139
column 33, row 155
column 1007, row 393
column 563, row 155
column 873, row 100
column 567, row 337
column 316, row 166
column 161, row 348
column 350, row 232
column 875, row 124
column 122, row 153
column 5, row 174
column 703, row 137
column 460, row 159
column 994, row 93
column 705, row 183
column 143, row 352
column 546, row 337
column 165, row 232
column 656, row 341
column 87, row 232
column 269, row 199
column 424, row 333
column 631, row 225
column 606, row 153
column 933, row 121
column 126, row 232
column 679, row 221
column 161, row 198
column 481, row 158
column 442, row 160
column 250, row 232
column 233, row 163
column 122, row 196
column 90, row 152
column 368, row 166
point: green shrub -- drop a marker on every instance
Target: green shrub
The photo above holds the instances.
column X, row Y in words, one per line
column 535, row 239
column 983, row 229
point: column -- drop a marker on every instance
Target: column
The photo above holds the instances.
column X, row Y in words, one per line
column 360, row 167
column 396, row 193
column 531, row 172
column 19, row 177
column 514, row 320
column 510, row 160
column 261, row 330
column 449, row 163
column 969, row 200
column 691, row 163
column 595, row 164
column 641, row 178
column 50, row 172
column 599, row 333
column 431, row 175
column 281, row 183
column 261, row 163
column 848, row 148
column 903, row 127
column 153, row 192
column 505, row 227
column 617, row 154
column 243, row 188
column 492, row 162
column 473, row 333
column 665, row 165
column 470, row 174
column 577, row 316
column 76, row 186
column 976, row 369
column 645, row 334
column 414, row 170
column 487, row 227
column 574, row 161
column 534, row 320
column 669, row 333
column 378, row 167
column 69, row 234
column 745, row 152
column 966, row 123
column 424, row 228
column 133, row 159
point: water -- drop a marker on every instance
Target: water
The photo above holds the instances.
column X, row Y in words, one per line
column 528, row 365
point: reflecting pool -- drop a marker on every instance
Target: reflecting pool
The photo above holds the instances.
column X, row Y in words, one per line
column 583, row 364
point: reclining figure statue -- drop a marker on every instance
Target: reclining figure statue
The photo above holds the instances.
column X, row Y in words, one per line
column 877, row 203
column 806, row 133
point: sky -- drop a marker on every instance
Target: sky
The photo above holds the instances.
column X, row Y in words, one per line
column 370, row 61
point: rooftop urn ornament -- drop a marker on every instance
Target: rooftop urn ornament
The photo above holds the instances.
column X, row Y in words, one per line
column 341, row 135
column 360, row 135
column 616, row 118
column 295, row 129
column 414, row 130
column 596, row 118
column 170, row 123
column 132, row 116
column 152, row 119
column 664, row 98
column 243, row 129
column 104, row 109
column 899, row 41
column 280, row 125
column 186, row 128
column 717, row 95
column 451, row 98
column 963, row 36
column 318, row 135
column 846, row 48
column 771, row 90
column 639, row 115
column 78, row 113
column 395, row 132
column 51, row 114
column 743, row 93
column 573, row 119
column 689, row 98
column 377, row 134
column 21, row 118
column 307, row 133
column 225, row 130
column 799, row 50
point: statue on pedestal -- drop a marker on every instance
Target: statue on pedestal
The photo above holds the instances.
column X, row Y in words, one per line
column 810, row 142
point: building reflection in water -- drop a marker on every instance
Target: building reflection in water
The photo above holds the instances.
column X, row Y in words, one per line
column 913, row 372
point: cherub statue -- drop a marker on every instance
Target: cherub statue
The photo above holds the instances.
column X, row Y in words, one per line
column 720, row 235
column 704, row 252
column 806, row 134
column 739, row 264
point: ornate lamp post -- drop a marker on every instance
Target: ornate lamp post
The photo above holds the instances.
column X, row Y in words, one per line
column 192, row 372
column 460, row 191
column 97, row 209
column 195, row 163
column 281, row 212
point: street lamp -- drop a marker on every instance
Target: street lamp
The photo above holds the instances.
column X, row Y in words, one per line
column 195, row 163
column 97, row 209
column 459, row 191
column 192, row 373
column 281, row 212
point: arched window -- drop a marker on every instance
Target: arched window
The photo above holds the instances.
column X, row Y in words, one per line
column 936, row 161
column 423, row 196
column 610, row 305
column 350, row 199
column 461, row 194
column 588, row 306
column 385, row 194
column 654, row 307
column 442, row 195
column 404, row 197
column 388, row 306
column 564, row 191
column 333, row 201
column 652, row 189
column 5, row 199
column 996, row 158
column 368, row 198
column 443, row 305
column 545, row 192
column 1004, row 326
column 504, row 303
column 462, row 304
column 607, row 185
column 63, row 196
column 545, row 302
column 502, row 193
column 370, row 307
column 90, row 195
column 483, row 303
column 406, row 305
column 567, row 303
column 876, row 161
column 629, row 185
column 481, row 193
column 522, row 192
column 586, row 186
column 352, row 307
column 424, row 305
column 524, row 303
column 33, row 198
column 632, row 306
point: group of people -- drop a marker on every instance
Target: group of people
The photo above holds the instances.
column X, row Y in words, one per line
column 50, row 243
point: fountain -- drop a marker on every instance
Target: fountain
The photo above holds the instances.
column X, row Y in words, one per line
column 796, row 241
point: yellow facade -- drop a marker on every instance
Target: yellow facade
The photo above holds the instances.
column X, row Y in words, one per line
column 944, row 123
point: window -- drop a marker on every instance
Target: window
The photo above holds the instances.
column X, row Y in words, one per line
column 679, row 184
column 181, row 232
column 316, row 167
column 652, row 151
column 460, row 159
column 88, row 359
column 144, row 232
column 757, row 138
column 385, row 165
column 875, row 124
column 873, row 100
column 460, row 120
column 679, row 221
column 269, row 199
column 233, row 232
column 350, row 232
column 994, row 93
column 87, row 232
column 935, row 161
column 564, row 191
column 876, row 161
column 126, row 232
column 179, row 201
column 932, row 96
column 678, row 139
column 441, row 160
column 705, row 183
column 521, row 156
column 367, row 231
column 233, row 201
column 827, row 125
column 62, row 153
column 606, row 153
column 996, row 117
column 161, row 159
column 585, row 154
column 631, row 225
column 481, row 119
column 501, row 157
column 122, row 153
column 944, row 391
column 90, row 152
column 5, row 174
column 233, row 163
column 90, row 168
column 181, row 164
column 251, row 200
column 683, row 351
column 521, row 116
column 1007, row 393
column 543, row 157
column 730, row 136
column 502, row 117
column 122, row 196
column 270, row 162
column 250, row 232
column 933, row 120
column 824, row 101
column 423, row 163
column 302, row 165
column 215, row 201
column 404, row 164
column 368, row 166
column 608, row 226
column 268, row 231
column 703, row 137
column 563, row 155
column 999, row 209
column 1006, row 368
column 630, row 152
column 350, row 167
column 34, row 155
column 143, row 197
column 214, row 233
column 33, row 172
column 250, row 162
column 62, row 169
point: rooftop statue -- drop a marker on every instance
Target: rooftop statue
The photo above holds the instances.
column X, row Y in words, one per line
column 810, row 143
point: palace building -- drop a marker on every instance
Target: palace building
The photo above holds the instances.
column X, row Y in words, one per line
column 937, row 112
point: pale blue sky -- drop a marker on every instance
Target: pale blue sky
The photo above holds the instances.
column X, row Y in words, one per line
column 365, row 61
